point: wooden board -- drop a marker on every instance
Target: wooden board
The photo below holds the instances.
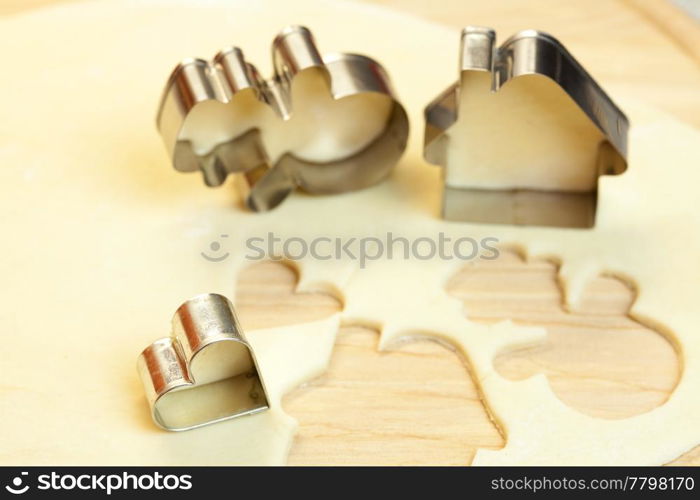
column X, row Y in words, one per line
column 417, row 404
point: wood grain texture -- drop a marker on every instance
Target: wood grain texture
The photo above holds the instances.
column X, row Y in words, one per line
column 624, row 44
column 417, row 404
column 412, row 405
column 673, row 22
column 645, row 49
column 597, row 359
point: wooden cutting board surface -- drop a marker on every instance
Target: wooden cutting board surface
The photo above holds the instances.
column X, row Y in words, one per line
column 417, row 404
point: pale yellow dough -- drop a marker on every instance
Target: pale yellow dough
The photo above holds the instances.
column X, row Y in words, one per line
column 102, row 241
column 555, row 142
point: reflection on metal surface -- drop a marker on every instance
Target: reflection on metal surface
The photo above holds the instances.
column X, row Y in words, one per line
column 516, row 197
column 205, row 372
column 232, row 112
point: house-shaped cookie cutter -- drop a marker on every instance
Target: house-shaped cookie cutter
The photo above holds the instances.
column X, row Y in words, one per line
column 205, row 372
column 494, row 171
column 230, row 80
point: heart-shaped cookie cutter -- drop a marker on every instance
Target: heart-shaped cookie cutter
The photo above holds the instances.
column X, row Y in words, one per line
column 236, row 139
column 526, row 54
column 205, row 372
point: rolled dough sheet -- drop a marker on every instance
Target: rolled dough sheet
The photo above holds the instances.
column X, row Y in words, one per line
column 102, row 241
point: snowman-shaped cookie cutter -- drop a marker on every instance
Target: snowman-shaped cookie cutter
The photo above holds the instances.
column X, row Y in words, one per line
column 324, row 124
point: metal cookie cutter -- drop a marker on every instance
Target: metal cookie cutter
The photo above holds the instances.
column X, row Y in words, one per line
column 524, row 134
column 325, row 124
column 205, row 372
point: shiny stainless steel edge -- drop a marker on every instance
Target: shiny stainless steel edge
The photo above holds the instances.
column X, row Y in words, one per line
column 165, row 366
column 527, row 52
column 195, row 81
